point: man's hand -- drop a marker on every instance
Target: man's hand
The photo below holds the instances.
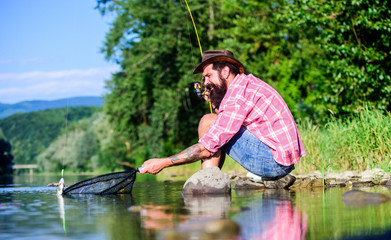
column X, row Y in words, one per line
column 189, row 155
column 155, row 165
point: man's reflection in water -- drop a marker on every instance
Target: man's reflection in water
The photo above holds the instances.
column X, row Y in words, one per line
column 269, row 215
column 272, row 217
column 156, row 217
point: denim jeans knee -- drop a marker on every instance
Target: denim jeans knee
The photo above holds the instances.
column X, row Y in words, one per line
column 254, row 155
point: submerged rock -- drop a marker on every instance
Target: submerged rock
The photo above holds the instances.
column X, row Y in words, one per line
column 361, row 198
column 207, row 181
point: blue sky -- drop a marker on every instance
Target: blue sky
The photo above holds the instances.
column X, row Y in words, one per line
column 51, row 49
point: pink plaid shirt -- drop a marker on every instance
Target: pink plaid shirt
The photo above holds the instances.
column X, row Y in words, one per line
column 254, row 104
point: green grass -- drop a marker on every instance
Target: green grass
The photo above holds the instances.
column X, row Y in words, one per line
column 360, row 143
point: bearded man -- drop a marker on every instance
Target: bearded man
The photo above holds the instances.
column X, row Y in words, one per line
column 252, row 124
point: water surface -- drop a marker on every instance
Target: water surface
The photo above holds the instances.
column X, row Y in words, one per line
column 30, row 210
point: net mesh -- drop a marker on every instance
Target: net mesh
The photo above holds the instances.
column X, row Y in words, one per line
column 112, row 183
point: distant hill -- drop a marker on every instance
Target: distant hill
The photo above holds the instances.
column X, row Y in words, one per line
column 37, row 105
column 31, row 133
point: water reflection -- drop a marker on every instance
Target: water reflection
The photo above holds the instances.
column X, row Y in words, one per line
column 61, row 208
column 33, row 211
column 273, row 216
column 270, row 215
column 211, row 206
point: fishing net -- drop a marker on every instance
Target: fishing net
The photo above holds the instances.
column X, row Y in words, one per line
column 112, row 183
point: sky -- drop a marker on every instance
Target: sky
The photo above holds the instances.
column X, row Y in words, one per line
column 50, row 49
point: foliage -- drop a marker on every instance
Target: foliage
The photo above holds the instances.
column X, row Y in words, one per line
column 355, row 37
column 363, row 142
column 320, row 56
column 88, row 146
column 31, row 133
column 5, row 155
column 149, row 104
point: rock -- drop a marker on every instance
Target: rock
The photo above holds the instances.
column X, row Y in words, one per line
column 363, row 184
column 317, row 182
column 335, row 183
column 302, row 183
column 317, row 174
column 245, row 184
column 388, row 184
column 351, row 182
column 374, row 174
column 207, row 181
column 361, row 198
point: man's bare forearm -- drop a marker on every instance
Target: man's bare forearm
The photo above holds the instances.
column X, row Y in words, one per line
column 190, row 154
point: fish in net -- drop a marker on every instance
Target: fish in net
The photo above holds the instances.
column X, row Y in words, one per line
column 111, row 183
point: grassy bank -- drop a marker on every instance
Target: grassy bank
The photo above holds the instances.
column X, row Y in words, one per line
column 360, row 143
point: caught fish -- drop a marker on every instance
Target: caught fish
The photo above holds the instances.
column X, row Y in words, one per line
column 60, row 187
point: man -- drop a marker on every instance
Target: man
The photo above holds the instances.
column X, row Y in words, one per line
column 253, row 125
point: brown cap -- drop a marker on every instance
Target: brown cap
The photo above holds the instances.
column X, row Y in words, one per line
column 222, row 55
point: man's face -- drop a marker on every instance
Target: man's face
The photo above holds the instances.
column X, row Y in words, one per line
column 215, row 85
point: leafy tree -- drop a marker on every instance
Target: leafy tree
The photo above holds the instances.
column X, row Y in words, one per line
column 355, row 37
column 149, row 103
column 319, row 55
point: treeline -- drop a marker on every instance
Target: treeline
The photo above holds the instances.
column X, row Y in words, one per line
column 80, row 141
column 327, row 59
column 31, row 133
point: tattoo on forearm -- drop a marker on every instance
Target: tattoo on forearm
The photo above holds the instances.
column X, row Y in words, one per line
column 188, row 155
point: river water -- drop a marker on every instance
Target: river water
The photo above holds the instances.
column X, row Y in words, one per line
column 30, row 210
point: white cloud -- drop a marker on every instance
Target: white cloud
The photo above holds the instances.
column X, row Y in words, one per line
column 50, row 85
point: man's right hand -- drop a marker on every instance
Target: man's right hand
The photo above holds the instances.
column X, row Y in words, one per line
column 155, row 165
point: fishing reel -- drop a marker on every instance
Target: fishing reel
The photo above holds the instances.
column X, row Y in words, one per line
column 199, row 89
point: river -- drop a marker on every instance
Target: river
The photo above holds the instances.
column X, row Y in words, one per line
column 31, row 210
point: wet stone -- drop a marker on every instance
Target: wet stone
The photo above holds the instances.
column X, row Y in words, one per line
column 375, row 174
column 349, row 179
column 245, row 184
column 363, row 184
column 317, row 182
column 207, row 181
column 302, row 183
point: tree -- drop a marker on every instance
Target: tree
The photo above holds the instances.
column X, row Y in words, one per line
column 149, row 104
column 355, row 37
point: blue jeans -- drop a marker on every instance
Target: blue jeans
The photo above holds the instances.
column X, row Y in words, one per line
column 254, row 155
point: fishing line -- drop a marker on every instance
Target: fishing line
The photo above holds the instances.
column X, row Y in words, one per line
column 66, row 137
column 198, row 39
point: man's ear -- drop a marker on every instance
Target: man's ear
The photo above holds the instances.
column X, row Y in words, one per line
column 225, row 72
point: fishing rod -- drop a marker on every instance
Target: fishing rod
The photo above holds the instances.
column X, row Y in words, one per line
column 198, row 88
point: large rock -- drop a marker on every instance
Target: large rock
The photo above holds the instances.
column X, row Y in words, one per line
column 207, row 181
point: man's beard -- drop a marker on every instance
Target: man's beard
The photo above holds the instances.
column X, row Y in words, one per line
column 218, row 92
